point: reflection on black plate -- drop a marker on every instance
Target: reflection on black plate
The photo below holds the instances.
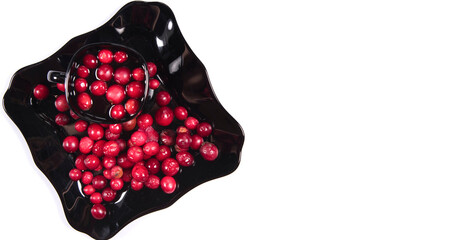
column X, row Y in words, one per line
column 150, row 29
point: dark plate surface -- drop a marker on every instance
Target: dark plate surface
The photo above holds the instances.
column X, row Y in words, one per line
column 150, row 29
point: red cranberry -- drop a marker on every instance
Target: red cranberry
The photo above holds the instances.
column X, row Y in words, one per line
column 121, row 143
column 170, row 167
column 163, row 98
column 116, row 172
column 116, row 184
column 95, row 131
column 185, row 158
column 136, row 185
column 204, row 129
column 122, row 75
column 151, row 69
column 191, row 123
column 108, row 194
column 182, row 129
column 61, row 87
column 80, row 85
column 120, row 57
column 88, row 190
column 135, row 154
column 98, row 148
column 104, row 72
column 168, row 184
column 132, row 106
column 99, row 182
column 62, row 119
column 96, row 197
column 209, row 151
column 115, row 94
column 167, row 137
column 154, row 83
column 73, row 115
column 124, row 162
column 164, row 152
column 115, row 128
column 180, row 113
column 91, row 162
column 150, row 148
column 152, row 135
column 127, row 175
column 105, row 56
column 183, row 140
column 153, row 166
column 144, row 121
column 117, row 112
column 61, row 103
column 98, row 88
column 152, row 182
column 164, row 116
column 75, row 174
column 90, row 61
column 86, row 144
column 108, row 162
column 139, row 173
column 84, row 101
column 135, row 89
column 83, row 71
column 80, row 125
column 138, row 138
column 79, row 163
column 110, row 135
column 129, row 125
column 138, row 74
column 98, row 211
column 111, row 148
column 196, row 142
column 41, row 92
column 106, row 174
column 87, row 177
column 70, row 144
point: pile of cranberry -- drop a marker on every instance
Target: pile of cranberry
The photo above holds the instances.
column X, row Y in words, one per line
column 141, row 152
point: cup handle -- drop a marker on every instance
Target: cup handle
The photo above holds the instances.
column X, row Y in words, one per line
column 56, row 76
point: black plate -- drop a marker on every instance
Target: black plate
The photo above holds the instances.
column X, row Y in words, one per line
column 150, row 29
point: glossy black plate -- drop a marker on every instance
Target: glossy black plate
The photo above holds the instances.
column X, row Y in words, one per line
column 150, row 29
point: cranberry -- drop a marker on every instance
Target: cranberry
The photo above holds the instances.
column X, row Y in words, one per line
column 164, row 116
column 80, row 125
column 185, row 158
column 183, row 140
column 152, row 182
column 135, row 89
column 144, row 121
column 83, row 71
column 96, row 197
column 163, row 98
column 80, row 85
column 152, row 135
column 84, row 101
column 115, row 128
column 121, row 143
column 98, row 88
column 61, row 87
column 153, row 166
column 204, row 129
column 136, row 185
column 90, row 61
column 111, row 149
column 105, row 56
column 108, row 162
column 132, row 106
column 99, row 182
column 110, row 135
column 139, row 173
column 151, row 69
column 138, row 138
column 87, row 177
column 170, row 167
column 104, row 72
column 88, row 190
column 61, row 103
column 116, row 172
column 70, row 144
column 73, row 115
column 191, row 123
column 209, row 151
column 117, row 112
column 154, row 83
column 122, row 75
column 98, row 211
column 167, row 137
column 129, row 125
column 164, row 152
column 196, row 142
column 168, row 184
column 86, row 144
column 115, row 94
column 91, row 162
column 150, row 148
column 135, row 154
column 62, row 119
column 98, row 148
column 106, row 174
column 75, row 174
column 108, row 194
column 116, row 184
column 41, row 92
column 79, row 163
column 95, row 131
column 120, row 57
column 127, row 175
column 138, row 74
column 124, row 162
column 180, row 113
column 182, row 129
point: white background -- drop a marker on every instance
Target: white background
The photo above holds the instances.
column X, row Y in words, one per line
column 351, row 111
